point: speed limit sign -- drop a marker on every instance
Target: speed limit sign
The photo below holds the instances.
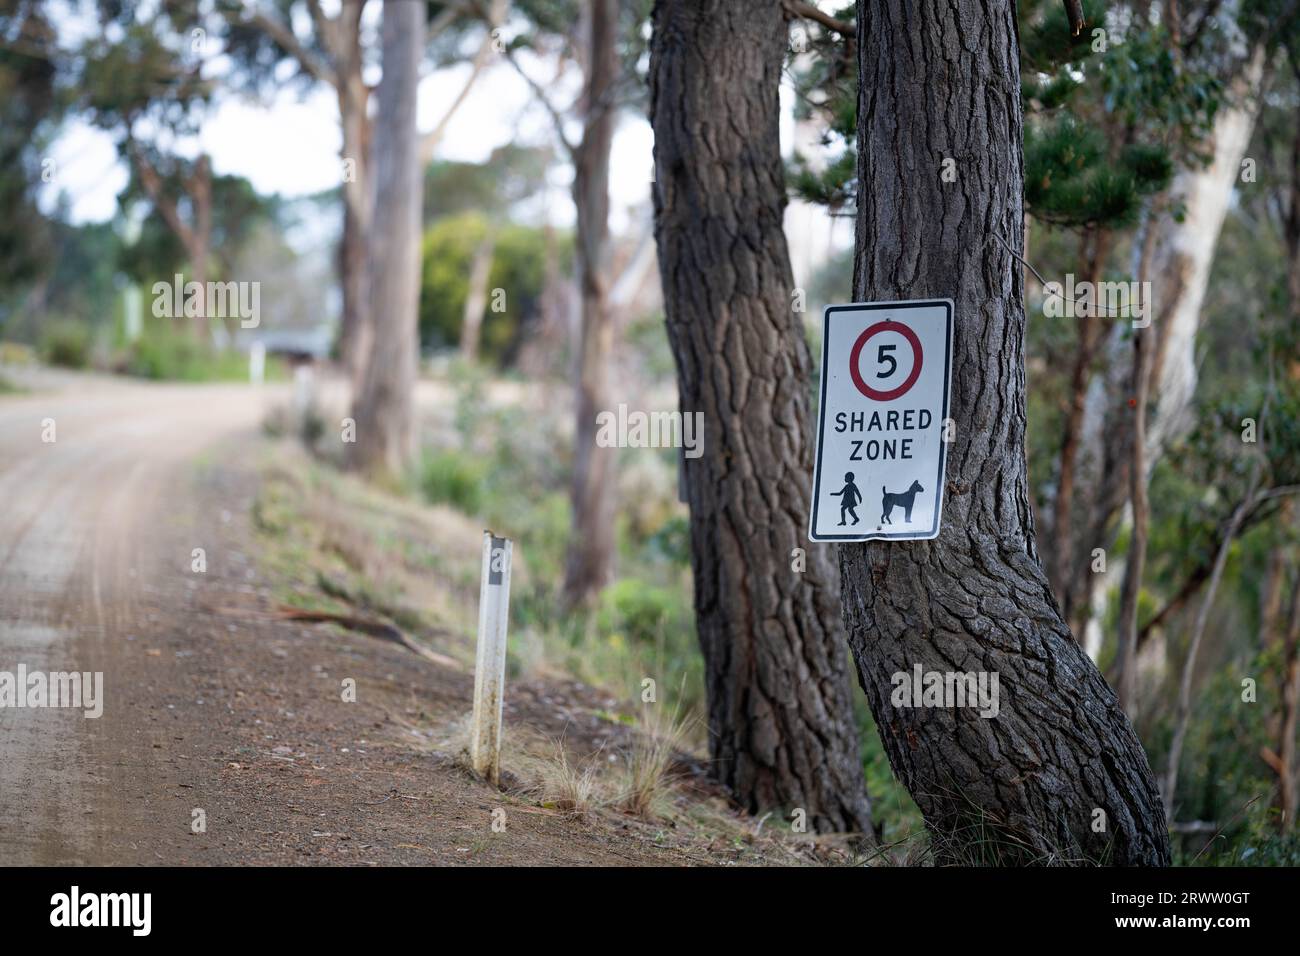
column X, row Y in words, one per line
column 881, row 425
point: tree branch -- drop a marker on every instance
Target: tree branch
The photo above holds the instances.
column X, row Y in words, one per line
column 556, row 117
column 445, row 18
column 282, row 34
column 806, row 11
column 1074, row 13
column 327, row 33
column 152, row 184
column 492, row 20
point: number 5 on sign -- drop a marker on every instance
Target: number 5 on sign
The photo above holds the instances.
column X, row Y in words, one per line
column 879, row 472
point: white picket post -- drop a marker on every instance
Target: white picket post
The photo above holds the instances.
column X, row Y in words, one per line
column 490, row 665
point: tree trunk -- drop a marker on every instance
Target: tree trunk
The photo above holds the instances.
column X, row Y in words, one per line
column 1135, row 561
column 545, row 347
column 1283, row 635
column 590, row 560
column 781, row 728
column 476, row 300
column 1283, row 760
column 358, row 191
column 384, row 406
column 941, row 80
column 200, row 196
column 1183, row 716
column 1090, row 329
column 1183, row 253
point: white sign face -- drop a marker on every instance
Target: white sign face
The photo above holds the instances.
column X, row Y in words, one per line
column 880, row 426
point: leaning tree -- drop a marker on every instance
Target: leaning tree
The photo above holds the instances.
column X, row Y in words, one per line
column 781, row 725
column 1059, row 775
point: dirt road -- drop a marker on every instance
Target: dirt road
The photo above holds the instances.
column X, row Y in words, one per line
column 93, row 503
column 214, row 711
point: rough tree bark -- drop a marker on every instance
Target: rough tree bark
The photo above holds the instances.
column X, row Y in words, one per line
column 941, row 80
column 781, row 725
column 384, row 406
column 590, row 559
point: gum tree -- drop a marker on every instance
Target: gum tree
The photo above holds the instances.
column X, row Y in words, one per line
column 384, row 407
column 604, row 40
column 1059, row 775
column 781, row 726
column 330, row 48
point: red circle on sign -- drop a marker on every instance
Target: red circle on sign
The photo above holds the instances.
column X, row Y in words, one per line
column 886, row 326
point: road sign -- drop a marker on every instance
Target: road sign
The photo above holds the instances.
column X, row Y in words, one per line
column 880, row 425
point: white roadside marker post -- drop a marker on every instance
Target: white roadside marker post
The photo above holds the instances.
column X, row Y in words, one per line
column 257, row 363
column 490, row 666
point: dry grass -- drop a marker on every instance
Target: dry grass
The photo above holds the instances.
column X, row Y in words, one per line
column 569, row 788
column 649, row 780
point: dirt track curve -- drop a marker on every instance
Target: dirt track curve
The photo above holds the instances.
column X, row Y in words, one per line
column 205, row 707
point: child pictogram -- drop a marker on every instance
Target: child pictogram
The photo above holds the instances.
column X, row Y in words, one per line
column 849, row 497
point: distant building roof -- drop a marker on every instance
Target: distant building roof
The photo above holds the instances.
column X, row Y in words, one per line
column 313, row 342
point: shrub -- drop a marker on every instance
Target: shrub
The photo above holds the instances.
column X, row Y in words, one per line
column 454, row 478
column 66, row 343
column 637, row 610
column 167, row 354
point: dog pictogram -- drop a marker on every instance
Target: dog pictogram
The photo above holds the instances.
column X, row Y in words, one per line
column 903, row 499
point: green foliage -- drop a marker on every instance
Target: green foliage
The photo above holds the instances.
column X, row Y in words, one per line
column 66, row 342
column 557, row 26
column 27, row 105
column 1221, row 773
column 639, row 611
column 671, row 542
column 831, row 186
column 454, row 478
column 827, row 88
column 1068, row 182
column 1147, row 87
column 511, row 174
column 1105, row 116
column 647, row 339
column 1046, row 42
column 518, row 268
column 166, row 352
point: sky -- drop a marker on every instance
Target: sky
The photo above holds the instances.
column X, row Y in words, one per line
column 290, row 146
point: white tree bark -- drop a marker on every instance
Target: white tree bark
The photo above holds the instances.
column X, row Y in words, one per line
column 1184, row 253
column 1182, row 256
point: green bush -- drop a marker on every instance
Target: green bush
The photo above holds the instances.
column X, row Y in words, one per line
column 637, row 610
column 454, row 478
column 163, row 353
column 66, row 343
column 518, row 269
